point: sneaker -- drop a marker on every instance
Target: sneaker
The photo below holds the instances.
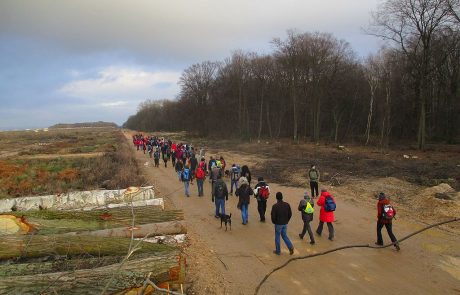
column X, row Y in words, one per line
column 277, row 253
column 291, row 251
column 300, row 236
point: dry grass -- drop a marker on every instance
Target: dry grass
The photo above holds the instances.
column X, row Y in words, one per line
column 116, row 168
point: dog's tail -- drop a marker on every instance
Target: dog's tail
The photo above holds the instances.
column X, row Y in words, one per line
column 230, row 215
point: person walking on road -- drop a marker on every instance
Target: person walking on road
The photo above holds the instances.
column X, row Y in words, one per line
column 219, row 195
column 179, row 167
column 234, row 177
column 186, row 175
column 385, row 214
column 326, row 214
column 246, row 173
column 200, row 177
column 261, row 193
column 281, row 214
column 306, row 208
column 313, row 174
column 243, row 193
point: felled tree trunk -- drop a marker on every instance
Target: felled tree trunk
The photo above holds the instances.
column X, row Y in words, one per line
column 165, row 267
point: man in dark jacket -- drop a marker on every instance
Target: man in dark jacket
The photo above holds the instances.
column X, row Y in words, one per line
column 193, row 166
column 281, row 214
column 261, row 193
column 385, row 221
column 219, row 195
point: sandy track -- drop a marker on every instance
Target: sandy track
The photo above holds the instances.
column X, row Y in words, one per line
column 234, row 262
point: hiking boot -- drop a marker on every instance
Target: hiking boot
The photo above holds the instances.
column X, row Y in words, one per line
column 300, row 236
column 291, row 251
column 379, row 244
column 277, row 253
column 397, row 247
column 331, row 238
column 319, row 234
column 312, row 242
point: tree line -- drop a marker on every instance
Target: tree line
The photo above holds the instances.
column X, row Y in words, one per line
column 313, row 86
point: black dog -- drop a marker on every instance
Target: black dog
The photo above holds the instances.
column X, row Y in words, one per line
column 226, row 219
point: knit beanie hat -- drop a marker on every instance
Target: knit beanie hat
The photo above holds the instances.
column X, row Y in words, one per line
column 382, row 196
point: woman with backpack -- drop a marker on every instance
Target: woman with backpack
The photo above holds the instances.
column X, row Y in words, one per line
column 246, row 173
column 306, row 208
column 243, row 193
column 385, row 214
column 326, row 214
column 200, row 177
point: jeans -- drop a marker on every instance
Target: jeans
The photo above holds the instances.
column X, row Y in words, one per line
column 319, row 230
column 389, row 228
column 179, row 174
column 220, row 204
column 281, row 230
column 314, row 188
column 186, row 186
column 244, row 213
column 307, row 227
column 233, row 183
column 199, row 184
column 262, row 207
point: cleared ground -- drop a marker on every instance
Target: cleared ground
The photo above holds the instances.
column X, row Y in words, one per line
column 234, row 262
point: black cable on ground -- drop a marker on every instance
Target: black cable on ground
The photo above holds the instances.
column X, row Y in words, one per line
column 348, row 247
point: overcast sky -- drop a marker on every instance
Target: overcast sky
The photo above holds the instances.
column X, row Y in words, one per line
column 91, row 60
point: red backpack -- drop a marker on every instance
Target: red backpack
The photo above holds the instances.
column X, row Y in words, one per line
column 200, row 173
column 388, row 212
column 263, row 192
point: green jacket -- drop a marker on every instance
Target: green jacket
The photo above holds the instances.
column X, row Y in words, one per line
column 314, row 175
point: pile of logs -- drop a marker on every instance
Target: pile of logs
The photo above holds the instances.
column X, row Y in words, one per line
column 80, row 252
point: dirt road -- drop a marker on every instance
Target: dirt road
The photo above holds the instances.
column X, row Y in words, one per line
column 235, row 261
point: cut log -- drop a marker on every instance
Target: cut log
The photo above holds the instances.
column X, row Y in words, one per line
column 164, row 268
column 140, row 231
column 54, row 222
column 34, row 246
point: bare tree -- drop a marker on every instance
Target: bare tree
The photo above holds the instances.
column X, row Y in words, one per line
column 411, row 24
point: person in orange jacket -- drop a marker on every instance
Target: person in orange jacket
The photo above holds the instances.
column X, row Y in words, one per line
column 325, row 216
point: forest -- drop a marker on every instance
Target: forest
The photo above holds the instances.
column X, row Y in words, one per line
column 312, row 86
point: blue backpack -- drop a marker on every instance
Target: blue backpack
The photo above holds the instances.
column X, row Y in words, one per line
column 186, row 174
column 329, row 204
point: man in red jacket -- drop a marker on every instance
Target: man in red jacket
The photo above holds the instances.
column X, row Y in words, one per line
column 385, row 221
column 325, row 216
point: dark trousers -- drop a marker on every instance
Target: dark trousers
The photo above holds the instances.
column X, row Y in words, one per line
column 262, row 207
column 314, row 188
column 389, row 228
column 319, row 230
column 307, row 228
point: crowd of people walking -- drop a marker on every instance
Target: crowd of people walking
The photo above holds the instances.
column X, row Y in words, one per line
column 190, row 167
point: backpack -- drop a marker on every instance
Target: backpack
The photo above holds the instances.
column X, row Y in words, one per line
column 156, row 155
column 388, row 212
column 309, row 208
column 219, row 192
column 329, row 204
column 263, row 192
column 235, row 173
column 200, row 173
column 186, row 174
